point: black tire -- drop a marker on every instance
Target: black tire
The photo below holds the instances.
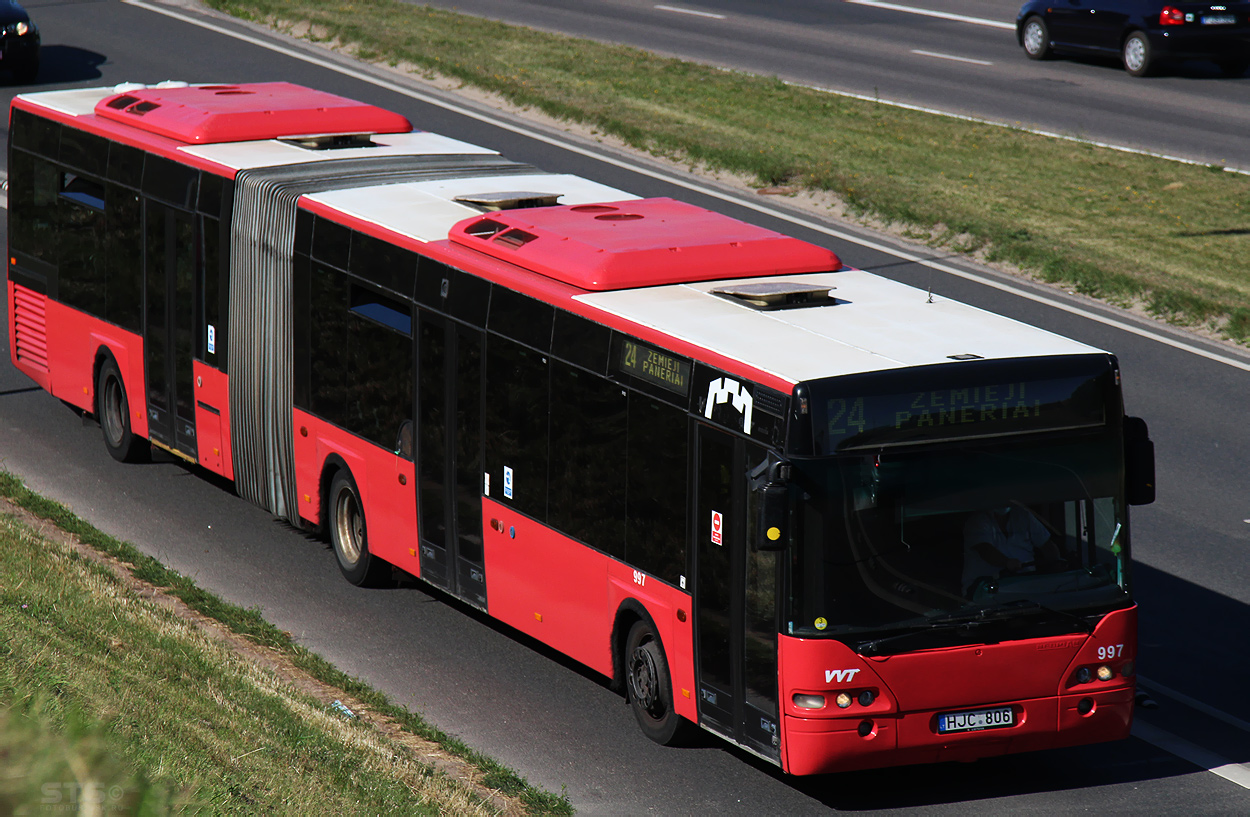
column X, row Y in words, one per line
column 649, row 687
column 1136, row 54
column 349, row 535
column 1035, row 37
column 113, row 411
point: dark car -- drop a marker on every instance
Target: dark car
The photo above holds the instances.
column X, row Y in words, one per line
column 1142, row 32
column 19, row 42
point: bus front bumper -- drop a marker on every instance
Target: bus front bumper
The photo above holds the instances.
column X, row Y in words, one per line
column 823, row 745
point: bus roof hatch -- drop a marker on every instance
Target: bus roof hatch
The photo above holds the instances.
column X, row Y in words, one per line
column 646, row 242
column 210, row 114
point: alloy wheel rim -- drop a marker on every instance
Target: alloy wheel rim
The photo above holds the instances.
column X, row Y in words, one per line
column 1134, row 54
column 1033, row 38
column 351, row 529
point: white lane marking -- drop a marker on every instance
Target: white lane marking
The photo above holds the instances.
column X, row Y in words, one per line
column 1193, row 703
column 949, row 57
column 799, row 221
column 691, row 11
column 1238, row 773
column 941, row 15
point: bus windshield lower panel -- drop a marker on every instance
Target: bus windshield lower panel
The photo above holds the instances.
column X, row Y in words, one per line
column 889, row 550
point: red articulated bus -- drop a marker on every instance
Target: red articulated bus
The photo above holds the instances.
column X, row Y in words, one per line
column 837, row 521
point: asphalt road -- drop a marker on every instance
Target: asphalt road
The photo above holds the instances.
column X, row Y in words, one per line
column 971, row 66
column 559, row 725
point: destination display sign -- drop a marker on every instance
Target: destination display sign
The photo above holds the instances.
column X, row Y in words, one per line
column 969, row 409
column 654, row 366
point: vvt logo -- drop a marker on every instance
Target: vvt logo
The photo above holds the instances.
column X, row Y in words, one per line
column 722, row 390
column 840, row 675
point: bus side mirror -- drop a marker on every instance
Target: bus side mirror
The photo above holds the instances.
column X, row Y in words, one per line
column 1139, row 462
column 773, row 531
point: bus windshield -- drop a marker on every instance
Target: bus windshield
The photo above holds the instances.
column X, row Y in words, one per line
column 889, row 546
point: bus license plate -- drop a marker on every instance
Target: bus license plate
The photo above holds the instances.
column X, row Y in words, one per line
column 975, row 720
column 1218, row 20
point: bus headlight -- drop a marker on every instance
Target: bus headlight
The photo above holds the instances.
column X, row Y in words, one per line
column 1105, row 673
column 843, row 700
column 808, row 701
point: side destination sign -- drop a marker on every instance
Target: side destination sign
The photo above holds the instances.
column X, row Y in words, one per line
column 650, row 364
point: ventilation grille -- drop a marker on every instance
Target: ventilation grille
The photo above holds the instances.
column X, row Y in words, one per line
column 778, row 295
column 31, row 327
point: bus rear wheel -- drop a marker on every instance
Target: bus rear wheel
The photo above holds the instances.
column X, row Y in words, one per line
column 113, row 410
column 650, row 688
column 349, row 535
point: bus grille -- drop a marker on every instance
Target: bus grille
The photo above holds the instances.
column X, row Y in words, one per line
column 30, row 327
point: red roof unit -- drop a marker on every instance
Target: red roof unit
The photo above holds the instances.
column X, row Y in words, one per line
column 639, row 243
column 207, row 114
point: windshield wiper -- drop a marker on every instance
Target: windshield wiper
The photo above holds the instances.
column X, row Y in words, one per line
column 992, row 612
column 970, row 619
column 872, row 646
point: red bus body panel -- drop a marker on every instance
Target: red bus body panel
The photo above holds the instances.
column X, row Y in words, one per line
column 73, row 341
column 1033, row 676
column 566, row 595
column 28, row 334
column 547, row 585
column 212, row 419
column 385, row 481
column 671, row 610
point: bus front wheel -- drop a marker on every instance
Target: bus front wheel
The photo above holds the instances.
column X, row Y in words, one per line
column 649, row 686
column 349, row 535
column 113, row 409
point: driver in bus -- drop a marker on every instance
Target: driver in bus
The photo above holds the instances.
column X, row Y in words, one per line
column 1004, row 540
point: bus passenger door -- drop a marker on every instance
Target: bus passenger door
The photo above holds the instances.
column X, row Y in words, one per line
column 449, row 465
column 735, row 598
column 169, row 327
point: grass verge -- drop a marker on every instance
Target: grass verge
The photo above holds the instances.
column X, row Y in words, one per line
column 1134, row 230
column 111, row 702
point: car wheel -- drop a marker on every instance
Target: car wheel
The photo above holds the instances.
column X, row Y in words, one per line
column 1136, row 55
column 650, row 687
column 1036, row 39
column 113, row 411
column 349, row 535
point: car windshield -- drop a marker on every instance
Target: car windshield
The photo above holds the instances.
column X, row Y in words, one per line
column 886, row 543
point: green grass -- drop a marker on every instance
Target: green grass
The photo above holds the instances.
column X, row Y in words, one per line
column 1131, row 229
column 105, row 695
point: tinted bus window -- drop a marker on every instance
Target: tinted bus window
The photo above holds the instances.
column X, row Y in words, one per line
column 328, row 344
column 516, row 426
column 588, row 430
column 35, row 134
column 125, row 165
column 123, row 254
column 331, row 243
column 80, row 242
column 170, row 182
column 581, row 341
column 34, row 185
column 212, row 341
column 301, row 327
column 521, row 318
column 379, row 370
column 656, row 535
column 383, row 264
column 84, row 151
